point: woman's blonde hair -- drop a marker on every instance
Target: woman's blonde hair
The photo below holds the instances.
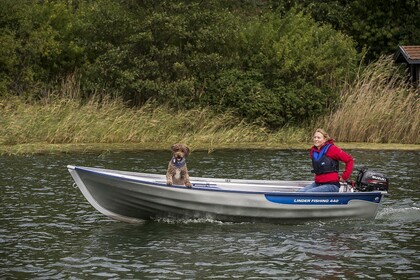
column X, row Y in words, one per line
column 324, row 133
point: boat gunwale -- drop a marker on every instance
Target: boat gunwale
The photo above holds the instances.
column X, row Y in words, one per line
column 130, row 178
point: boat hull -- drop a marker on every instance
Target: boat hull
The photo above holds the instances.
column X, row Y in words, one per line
column 132, row 197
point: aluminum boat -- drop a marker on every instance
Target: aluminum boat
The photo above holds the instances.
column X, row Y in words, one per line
column 133, row 197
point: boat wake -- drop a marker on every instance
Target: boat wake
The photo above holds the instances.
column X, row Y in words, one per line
column 404, row 213
column 167, row 220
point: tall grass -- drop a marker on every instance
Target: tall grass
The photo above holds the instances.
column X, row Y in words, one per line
column 379, row 107
column 66, row 119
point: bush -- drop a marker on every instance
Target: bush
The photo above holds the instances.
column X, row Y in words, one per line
column 38, row 46
column 289, row 70
column 274, row 69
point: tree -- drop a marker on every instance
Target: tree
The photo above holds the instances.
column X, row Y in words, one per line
column 376, row 26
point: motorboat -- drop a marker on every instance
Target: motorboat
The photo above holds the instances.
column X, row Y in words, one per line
column 135, row 197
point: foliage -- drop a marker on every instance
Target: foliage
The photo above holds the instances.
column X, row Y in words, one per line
column 377, row 26
column 289, row 70
column 38, row 45
column 272, row 66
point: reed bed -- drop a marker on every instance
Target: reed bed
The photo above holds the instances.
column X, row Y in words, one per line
column 379, row 107
column 68, row 120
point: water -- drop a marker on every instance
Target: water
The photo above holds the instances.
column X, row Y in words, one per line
column 49, row 231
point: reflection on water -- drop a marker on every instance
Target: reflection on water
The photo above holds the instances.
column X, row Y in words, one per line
column 50, row 231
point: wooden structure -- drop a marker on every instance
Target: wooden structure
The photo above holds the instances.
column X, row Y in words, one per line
column 411, row 56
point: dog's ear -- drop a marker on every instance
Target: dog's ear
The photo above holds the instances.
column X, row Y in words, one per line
column 174, row 147
column 187, row 150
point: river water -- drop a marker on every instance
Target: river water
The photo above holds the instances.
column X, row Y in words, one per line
column 49, row 230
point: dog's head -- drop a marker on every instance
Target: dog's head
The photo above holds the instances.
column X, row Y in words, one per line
column 180, row 151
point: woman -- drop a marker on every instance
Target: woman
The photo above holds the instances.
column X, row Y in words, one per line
column 325, row 158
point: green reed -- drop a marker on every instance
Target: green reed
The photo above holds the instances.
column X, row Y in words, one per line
column 68, row 120
column 379, row 107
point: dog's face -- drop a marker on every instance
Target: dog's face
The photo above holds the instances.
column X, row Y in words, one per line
column 180, row 151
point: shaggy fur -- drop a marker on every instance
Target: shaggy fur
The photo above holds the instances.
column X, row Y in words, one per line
column 177, row 173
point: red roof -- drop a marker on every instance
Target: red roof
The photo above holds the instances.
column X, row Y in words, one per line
column 409, row 54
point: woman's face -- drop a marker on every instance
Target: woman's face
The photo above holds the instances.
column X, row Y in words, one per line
column 319, row 140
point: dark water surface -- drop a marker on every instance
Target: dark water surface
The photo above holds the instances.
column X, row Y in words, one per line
column 49, row 231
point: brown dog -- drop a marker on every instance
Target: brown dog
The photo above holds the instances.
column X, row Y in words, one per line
column 177, row 173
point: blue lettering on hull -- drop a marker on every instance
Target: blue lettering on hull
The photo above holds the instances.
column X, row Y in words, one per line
column 322, row 199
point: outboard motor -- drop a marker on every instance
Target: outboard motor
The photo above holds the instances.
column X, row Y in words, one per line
column 368, row 181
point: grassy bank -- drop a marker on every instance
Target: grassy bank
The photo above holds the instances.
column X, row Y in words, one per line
column 65, row 122
column 379, row 108
column 43, row 148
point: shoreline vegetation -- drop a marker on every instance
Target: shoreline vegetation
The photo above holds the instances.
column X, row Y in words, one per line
column 379, row 110
column 80, row 76
column 45, row 148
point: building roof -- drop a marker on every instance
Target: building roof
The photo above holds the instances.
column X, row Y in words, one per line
column 409, row 54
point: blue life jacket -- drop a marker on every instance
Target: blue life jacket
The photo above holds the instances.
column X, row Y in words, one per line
column 323, row 164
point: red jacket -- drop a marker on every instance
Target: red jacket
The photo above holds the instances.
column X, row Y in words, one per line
column 335, row 153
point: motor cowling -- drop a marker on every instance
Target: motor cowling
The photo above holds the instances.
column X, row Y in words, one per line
column 368, row 181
